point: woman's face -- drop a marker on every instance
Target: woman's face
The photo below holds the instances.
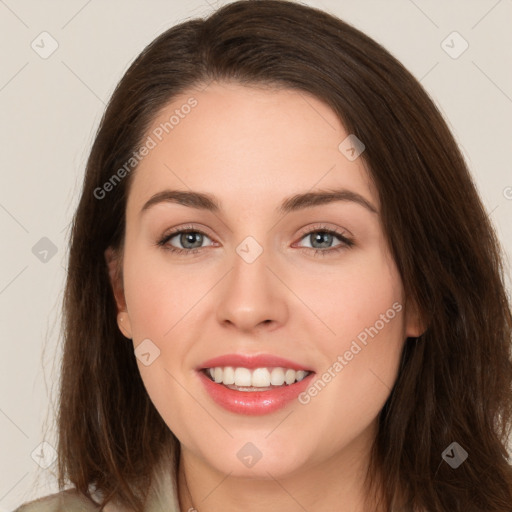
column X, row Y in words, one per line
column 266, row 273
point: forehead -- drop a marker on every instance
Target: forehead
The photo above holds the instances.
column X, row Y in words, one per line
column 246, row 143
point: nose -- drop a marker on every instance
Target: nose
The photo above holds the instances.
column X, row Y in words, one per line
column 252, row 296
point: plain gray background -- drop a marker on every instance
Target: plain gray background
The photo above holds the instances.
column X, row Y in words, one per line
column 51, row 106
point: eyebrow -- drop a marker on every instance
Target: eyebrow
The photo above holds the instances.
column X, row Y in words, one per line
column 202, row 201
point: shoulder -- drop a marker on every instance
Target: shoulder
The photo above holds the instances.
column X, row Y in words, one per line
column 64, row 501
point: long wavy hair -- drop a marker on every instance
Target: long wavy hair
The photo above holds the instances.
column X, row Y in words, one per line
column 454, row 381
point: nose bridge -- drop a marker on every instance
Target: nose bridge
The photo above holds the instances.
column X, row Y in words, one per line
column 251, row 295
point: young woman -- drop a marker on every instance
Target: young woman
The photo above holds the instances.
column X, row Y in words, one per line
column 284, row 292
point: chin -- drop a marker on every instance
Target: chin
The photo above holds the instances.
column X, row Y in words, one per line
column 260, row 459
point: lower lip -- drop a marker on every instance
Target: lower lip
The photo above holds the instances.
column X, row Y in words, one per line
column 254, row 402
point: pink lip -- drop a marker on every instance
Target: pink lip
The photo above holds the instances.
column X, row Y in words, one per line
column 253, row 402
column 251, row 361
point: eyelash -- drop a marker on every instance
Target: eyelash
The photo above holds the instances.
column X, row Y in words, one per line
column 346, row 241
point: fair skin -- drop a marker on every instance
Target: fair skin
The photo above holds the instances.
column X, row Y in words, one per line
column 251, row 148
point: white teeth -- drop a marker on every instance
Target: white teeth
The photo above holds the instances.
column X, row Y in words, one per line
column 242, row 376
column 260, row 378
column 228, row 375
column 277, row 377
column 289, row 376
column 300, row 375
column 256, row 378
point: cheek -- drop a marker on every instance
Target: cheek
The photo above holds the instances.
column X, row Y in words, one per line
column 374, row 338
column 363, row 292
column 365, row 314
column 159, row 295
column 158, row 298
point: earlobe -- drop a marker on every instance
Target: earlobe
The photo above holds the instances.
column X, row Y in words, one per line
column 115, row 276
column 123, row 322
column 114, row 272
column 415, row 324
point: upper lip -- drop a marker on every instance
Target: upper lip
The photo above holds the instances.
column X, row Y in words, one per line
column 252, row 361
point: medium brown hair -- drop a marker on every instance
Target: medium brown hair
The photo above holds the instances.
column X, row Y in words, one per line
column 454, row 381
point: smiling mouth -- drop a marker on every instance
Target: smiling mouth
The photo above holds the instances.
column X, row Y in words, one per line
column 254, row 379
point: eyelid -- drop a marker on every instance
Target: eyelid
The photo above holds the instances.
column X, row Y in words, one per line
column 196, row 228
column 163, row 240
column 305, row 231
column 325, row 227
column 342, row 234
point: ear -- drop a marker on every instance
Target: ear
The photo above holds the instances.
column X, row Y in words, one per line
column 415, row 325
column 114, row 265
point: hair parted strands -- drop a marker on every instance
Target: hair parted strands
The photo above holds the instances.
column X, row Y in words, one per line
column 454, row 382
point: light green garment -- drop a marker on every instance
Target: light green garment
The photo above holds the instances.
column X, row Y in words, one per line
column 162, row 498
